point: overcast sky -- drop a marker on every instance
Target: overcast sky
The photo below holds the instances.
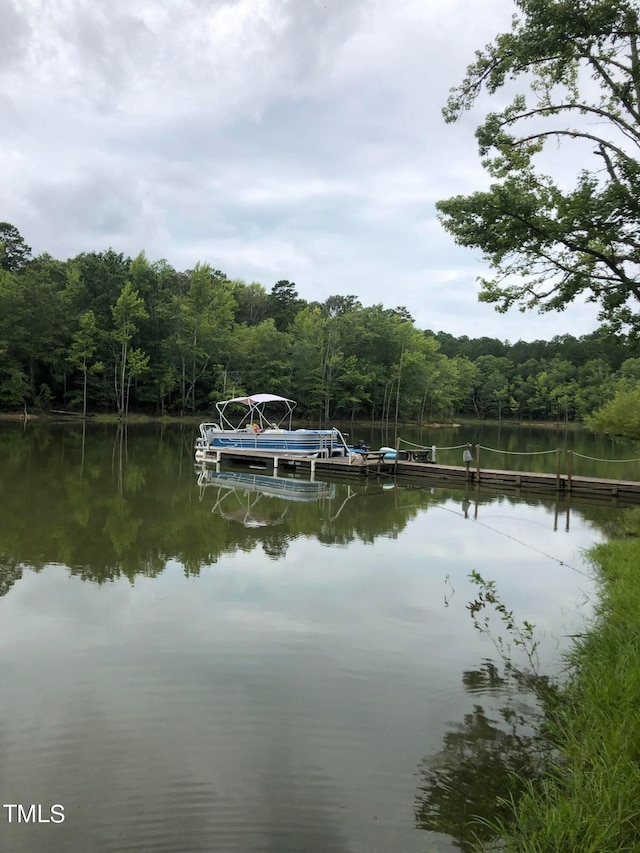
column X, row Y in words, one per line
column 295, row 139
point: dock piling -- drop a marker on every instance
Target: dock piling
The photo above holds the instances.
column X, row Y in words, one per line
column 569, row 469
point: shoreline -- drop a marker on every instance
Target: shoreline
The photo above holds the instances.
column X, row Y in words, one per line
column 134, row 418
column 589, row 800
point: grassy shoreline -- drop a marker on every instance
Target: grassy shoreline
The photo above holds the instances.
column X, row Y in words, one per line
column 590, row 801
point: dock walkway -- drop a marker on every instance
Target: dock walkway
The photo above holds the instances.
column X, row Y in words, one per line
column 373, row 463
column 509, row 481
column 363, row 463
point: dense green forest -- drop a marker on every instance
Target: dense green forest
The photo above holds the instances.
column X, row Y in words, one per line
column 102, row 332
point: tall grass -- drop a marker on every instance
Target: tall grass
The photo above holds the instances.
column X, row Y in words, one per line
column 589, row 802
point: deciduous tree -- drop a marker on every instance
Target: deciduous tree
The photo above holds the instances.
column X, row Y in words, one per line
column 575, row 231
column 127, row 312
column 14, row 252
column 82, row 350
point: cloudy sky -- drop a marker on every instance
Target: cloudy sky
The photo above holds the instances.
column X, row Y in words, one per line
column 297, row 139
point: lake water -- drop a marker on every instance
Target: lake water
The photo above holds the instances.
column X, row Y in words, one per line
column 188, row 665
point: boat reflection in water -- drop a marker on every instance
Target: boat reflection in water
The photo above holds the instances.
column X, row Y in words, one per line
column 259, row 500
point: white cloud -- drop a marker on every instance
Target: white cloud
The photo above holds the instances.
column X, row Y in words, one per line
column 271, row 138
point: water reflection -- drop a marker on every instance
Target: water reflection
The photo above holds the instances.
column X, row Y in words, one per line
column 485, row 761
column 182, row 679
column 117, row 507
column 258, row 500
column 10, row 572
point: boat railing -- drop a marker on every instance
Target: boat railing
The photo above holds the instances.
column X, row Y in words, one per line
column 343, row 441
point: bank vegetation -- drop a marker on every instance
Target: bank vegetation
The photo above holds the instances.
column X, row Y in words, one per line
column 589, row 800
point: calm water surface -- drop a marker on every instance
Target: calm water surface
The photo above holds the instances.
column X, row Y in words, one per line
column 185, row 665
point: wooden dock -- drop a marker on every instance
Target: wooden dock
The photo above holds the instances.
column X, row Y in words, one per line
column 511, row 482
column 371, row 462
column 455, row 476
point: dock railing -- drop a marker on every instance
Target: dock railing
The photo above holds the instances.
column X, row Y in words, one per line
column 572, row 453
column 557, row 451
column 566, row 471
column 413, row 448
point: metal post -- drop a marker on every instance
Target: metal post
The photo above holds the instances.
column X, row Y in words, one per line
column 569, row 469
column 275, row 464
column 395, row 466
column 477, row 463
column 558, row 452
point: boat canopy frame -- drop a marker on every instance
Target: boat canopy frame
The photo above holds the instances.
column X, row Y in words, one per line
column 255, row 405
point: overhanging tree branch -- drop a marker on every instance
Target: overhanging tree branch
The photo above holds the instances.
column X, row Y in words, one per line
column 586, row 239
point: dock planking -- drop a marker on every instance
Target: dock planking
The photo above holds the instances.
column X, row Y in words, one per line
column 373, row 463
column 362, row 464
column 524, row 480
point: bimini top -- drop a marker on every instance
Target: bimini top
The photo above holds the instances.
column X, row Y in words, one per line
column 255, row 413
column 256, row 399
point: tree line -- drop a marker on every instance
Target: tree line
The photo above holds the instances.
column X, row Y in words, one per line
column 102, row 332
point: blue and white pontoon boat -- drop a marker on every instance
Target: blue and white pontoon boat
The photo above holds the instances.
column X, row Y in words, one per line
column 258, row 428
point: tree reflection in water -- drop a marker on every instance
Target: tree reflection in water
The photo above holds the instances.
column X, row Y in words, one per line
column 10, row 572
column 485, row 761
